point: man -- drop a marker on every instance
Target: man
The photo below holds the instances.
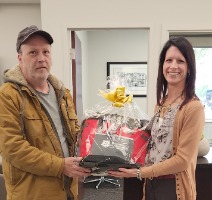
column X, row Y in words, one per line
column 38, row 126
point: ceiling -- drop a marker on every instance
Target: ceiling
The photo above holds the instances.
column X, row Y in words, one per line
column 19, row 1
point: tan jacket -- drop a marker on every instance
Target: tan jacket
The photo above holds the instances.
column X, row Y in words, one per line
column 187, row 131
column 31, row 152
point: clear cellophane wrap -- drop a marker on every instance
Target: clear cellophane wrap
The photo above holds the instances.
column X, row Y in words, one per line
column 112, row 132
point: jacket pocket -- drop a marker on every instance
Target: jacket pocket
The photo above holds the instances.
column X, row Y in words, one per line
column 33, row 123
column 15, row 175
column 32, row 114
column 12, row 175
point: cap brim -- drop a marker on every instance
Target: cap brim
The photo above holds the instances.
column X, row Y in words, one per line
column 41, row 33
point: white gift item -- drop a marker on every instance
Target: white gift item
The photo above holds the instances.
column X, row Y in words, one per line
column 204, row 147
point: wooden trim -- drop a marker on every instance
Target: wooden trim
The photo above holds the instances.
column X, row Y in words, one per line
column 73, row 66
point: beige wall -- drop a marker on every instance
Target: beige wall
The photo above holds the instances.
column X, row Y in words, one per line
column 13, row 18
column 155, row 15
column 159, row 17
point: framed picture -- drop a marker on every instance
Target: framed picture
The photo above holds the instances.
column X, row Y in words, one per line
column 135, row 74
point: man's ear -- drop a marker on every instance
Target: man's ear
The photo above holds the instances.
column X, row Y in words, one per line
column 19, row 58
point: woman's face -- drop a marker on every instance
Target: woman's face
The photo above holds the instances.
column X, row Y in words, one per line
column 175, row 67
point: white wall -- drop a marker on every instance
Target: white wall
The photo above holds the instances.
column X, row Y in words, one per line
column 128, row 45
column 14, row 18
column 83, row 36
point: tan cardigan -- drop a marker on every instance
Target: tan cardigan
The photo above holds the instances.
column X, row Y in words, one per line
column 187, row 130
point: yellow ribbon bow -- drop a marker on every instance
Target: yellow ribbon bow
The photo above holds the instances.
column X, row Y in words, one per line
column 117, row 96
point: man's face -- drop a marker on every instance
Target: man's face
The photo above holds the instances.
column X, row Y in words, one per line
column 35, row 59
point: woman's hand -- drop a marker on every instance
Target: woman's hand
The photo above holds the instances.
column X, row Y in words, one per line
column 124, row 173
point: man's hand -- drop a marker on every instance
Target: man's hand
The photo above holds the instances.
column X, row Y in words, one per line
column 72, row 168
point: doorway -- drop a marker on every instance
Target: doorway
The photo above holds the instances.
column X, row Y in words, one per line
column 109, row 45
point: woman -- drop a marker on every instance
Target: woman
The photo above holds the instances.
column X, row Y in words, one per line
column 176, row 128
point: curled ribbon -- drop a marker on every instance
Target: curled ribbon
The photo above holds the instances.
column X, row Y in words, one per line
column 117, row 96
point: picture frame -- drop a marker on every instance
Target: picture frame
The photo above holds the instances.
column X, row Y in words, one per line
column 135, row 73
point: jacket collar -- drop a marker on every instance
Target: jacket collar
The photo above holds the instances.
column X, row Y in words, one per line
column 15, row 75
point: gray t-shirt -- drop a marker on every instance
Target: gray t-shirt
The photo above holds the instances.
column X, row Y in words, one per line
column 49, row 101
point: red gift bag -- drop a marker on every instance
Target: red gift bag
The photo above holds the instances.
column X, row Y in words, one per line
column 92, row 126
column 89, row 128
column 141, row 139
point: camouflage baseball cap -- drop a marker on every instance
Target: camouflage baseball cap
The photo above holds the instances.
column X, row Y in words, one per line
column 28, row 32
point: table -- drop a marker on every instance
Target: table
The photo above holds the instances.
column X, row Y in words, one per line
column 133, row 187
column 204, row 177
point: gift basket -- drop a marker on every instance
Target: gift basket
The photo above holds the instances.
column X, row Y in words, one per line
column 113, row 133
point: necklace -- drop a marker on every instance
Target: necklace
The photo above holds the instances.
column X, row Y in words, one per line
column 165, row 108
